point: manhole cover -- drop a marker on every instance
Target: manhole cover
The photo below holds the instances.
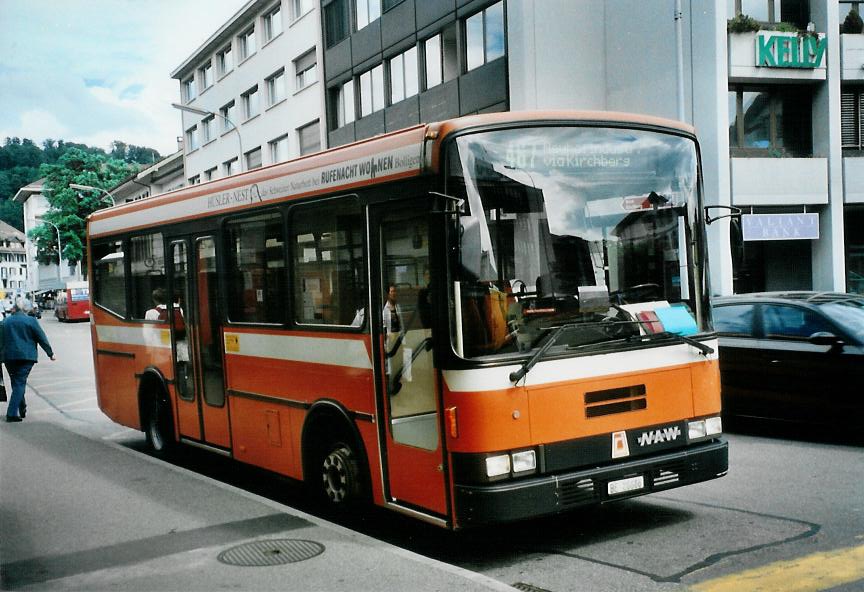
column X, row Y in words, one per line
column 275, row 552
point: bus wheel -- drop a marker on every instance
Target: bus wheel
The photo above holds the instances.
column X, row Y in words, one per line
column 341, row 476
column 158, row 427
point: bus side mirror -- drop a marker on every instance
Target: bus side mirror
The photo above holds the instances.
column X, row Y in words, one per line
column 447, row 204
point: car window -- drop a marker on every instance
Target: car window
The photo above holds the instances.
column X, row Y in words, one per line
column 734, row 319
column 791, row 322
column 849, row 314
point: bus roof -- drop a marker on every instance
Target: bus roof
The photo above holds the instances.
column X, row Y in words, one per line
column 405, row 153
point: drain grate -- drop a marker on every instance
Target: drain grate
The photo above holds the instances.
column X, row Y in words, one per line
column 273, row 552
column 528, row 587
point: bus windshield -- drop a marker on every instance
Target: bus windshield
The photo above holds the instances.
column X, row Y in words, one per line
column 586, row 227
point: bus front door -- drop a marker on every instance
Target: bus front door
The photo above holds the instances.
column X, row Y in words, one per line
column 408, row 387
column 202, row 411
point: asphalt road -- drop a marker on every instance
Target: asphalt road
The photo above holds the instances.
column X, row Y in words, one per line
column 789, row 516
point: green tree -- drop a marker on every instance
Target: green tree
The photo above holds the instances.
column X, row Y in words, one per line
column 68, row 210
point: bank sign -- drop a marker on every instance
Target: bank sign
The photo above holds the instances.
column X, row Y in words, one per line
column 764, row 227
column 774, row 50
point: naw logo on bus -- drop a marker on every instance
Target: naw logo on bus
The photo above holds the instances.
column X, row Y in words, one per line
column 659, row 436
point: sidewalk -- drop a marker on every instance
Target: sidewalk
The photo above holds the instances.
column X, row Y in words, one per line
column 83, row 514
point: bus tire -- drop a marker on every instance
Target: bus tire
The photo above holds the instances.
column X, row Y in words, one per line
column 341, row 485
column 158, row 427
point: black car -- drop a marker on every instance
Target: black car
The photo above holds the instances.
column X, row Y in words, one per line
column 792, row 356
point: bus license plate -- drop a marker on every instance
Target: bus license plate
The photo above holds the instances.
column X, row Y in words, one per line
column 625, row 485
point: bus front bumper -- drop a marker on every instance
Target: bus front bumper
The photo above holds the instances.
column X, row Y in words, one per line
column 551, row 494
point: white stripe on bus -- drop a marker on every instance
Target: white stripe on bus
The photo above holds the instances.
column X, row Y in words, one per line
column 147, row 336
column 350, row 353
column 587, row 367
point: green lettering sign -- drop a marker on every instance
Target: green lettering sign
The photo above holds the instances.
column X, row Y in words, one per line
column 783, row 51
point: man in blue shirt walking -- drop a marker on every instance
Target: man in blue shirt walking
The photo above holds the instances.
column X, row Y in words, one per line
column 21, row 334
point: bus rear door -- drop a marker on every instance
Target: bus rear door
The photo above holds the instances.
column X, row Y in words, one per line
column 202, row 411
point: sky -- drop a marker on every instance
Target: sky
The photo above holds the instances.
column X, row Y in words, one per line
column 95, row 71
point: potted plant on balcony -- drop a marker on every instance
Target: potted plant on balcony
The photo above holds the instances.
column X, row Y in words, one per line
column 853, row 23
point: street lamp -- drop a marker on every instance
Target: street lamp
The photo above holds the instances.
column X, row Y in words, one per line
column 59, row 250
column 91, row 188
column 205, row 113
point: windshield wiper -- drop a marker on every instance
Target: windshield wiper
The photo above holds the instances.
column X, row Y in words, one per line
column 530, row 362
column 703, row 349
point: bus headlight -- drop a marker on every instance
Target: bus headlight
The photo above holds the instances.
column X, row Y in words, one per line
column 497, row 465
column 525, row 460
column 702, row 428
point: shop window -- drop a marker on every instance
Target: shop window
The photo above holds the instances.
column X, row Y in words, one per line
column 109, row 277
column 852, row 118
column 770, row 121
column 257, row 287
column 329, row 265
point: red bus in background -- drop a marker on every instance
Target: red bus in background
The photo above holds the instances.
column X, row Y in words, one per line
column 73, row 302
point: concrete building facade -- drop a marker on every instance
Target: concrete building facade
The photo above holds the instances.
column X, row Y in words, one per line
column 250, row 94
column 778, row 108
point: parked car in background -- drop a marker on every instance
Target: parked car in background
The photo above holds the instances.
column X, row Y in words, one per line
column 792, row 356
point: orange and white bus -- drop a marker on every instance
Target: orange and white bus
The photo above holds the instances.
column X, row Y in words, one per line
column 480, row 320
column 73, row 302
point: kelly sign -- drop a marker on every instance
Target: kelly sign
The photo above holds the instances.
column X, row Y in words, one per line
column 764, row 227
column 784, row 51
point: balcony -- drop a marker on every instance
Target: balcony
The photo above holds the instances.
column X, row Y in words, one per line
column 774, row 56
column 779, row 181
column 852, row 56
column 853, row 179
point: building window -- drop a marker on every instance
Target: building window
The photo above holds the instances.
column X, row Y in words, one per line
column 306, row 69
column 246, row 43
column 434, row 62
column 404, row 80
column 484, row 36
column 309, row 138
column 301, row 7
column 253, row 159
column 192, row 138
column 195, row 180
column 190, row 90
column 250, row 103
column 276, row 87
column 336, row 22
column 207, row 129
column 257, row 287
column 372, row 90
column 852, row 118
column 796, row 12
column 770, row 121
column 367, row 11
column 229, row 167
column 224, row 61
column 228, row 112
column 343, row 104
column 279, row 149
column 210, row 174
column 205, row 74
column 273, row 23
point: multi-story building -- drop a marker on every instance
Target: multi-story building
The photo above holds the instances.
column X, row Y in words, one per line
column 13, row 262
column 779, row 114
column 250, row 94
column 41, row 277
column 160, row 177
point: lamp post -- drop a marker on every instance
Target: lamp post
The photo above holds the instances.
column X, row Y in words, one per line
column 59, row 250
column 91, row 188
column 206, row 113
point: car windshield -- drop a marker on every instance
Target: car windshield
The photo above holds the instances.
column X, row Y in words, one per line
column 849, row 314
column 584, row 226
